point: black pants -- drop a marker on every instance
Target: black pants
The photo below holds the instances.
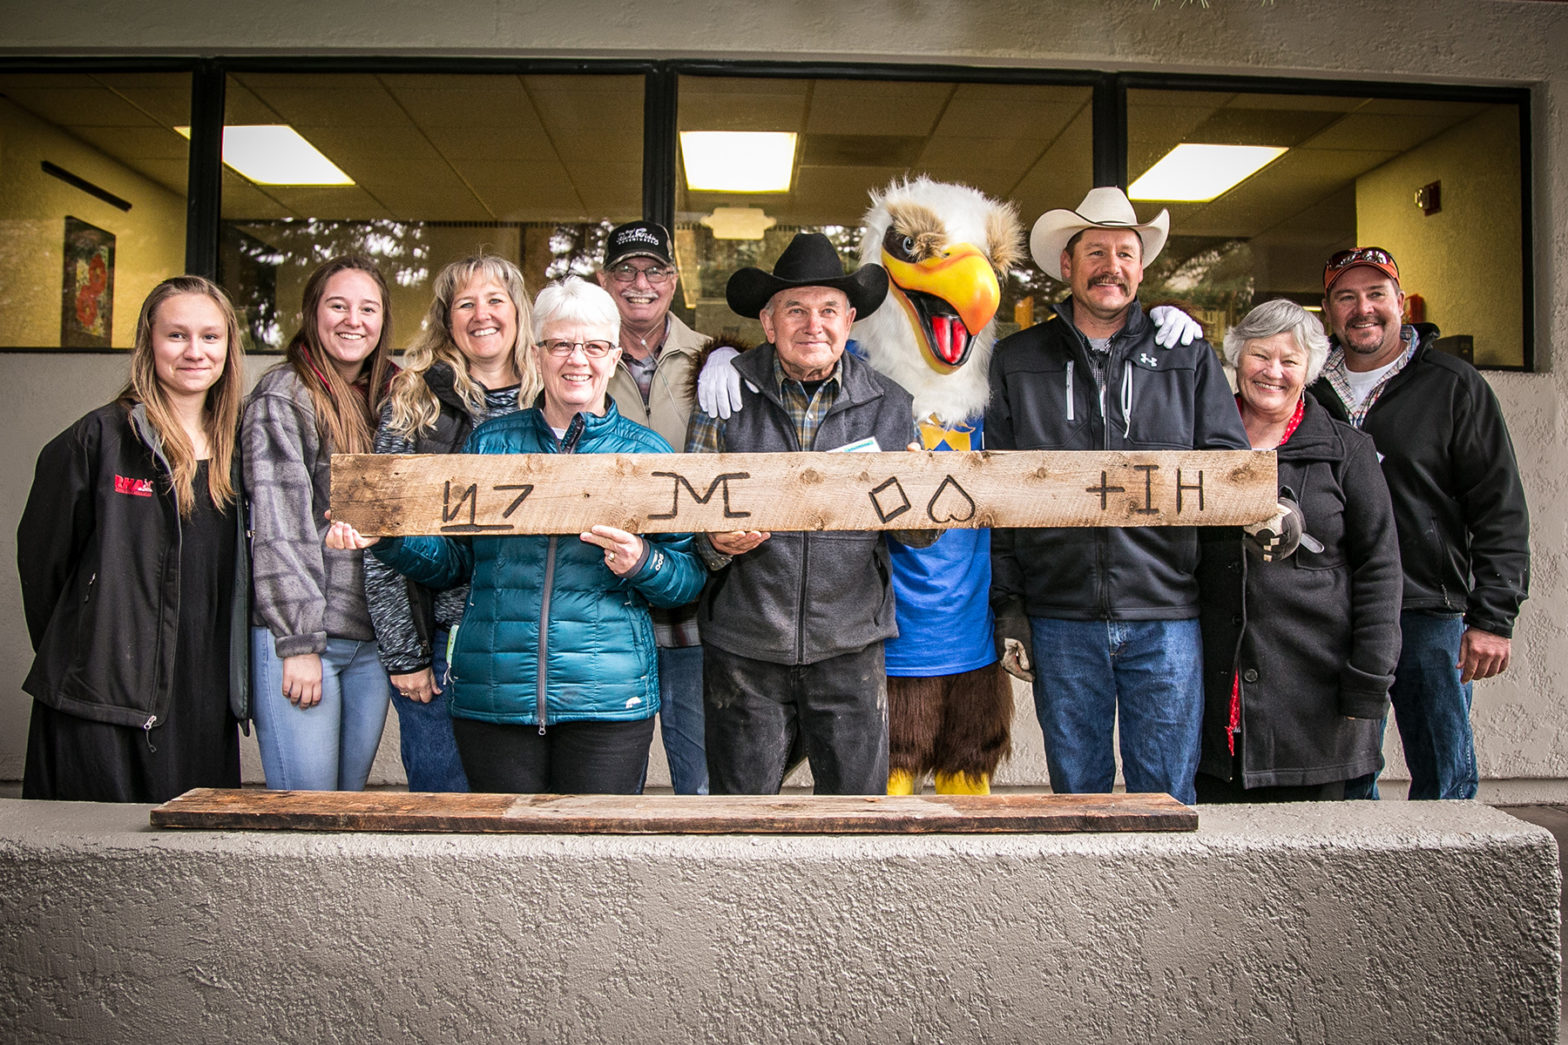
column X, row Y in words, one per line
column 755, row 712
column 569, row 758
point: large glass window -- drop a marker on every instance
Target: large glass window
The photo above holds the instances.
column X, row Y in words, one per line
column 534, row 168
column 1030, row 143
column 92, row 203
column 1436, row 183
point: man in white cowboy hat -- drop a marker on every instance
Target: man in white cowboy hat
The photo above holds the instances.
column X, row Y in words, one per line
column 793, row 623
column 1106, row 617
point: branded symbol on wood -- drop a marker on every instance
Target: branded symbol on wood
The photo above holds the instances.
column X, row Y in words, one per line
column 700, row 498
column 893, row 508
column 951, row 503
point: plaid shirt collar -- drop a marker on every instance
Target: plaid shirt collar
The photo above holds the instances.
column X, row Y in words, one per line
column 1334, row 371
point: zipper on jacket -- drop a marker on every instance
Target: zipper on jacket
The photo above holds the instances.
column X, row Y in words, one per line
column 87, row 596
column 152, row 720
column 1069, row 390
column 544, row 631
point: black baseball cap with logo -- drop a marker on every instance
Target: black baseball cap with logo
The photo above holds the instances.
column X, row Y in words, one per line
column 638, row 239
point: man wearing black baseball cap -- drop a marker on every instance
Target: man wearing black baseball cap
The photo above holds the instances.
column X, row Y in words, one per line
column 793, row 624
column 1464, row 530
column 652, row 386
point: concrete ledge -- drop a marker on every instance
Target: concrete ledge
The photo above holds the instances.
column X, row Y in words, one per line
column 1353, row 922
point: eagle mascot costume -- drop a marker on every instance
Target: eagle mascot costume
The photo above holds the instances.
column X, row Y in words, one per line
column 944, row 246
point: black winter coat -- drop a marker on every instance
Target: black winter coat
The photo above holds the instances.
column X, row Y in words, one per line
column 1464, row 530
column 98, row 552
column 1314, row 637
column 1043, row 397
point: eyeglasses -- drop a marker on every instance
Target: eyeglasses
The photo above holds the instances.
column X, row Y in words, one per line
column 626, row 272
column 591, row 349
column 1360, row 256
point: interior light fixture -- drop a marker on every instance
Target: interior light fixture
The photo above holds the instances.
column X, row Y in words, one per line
column 739, row 222
column 738, row 161
column 276, row 154
column 1192, row 173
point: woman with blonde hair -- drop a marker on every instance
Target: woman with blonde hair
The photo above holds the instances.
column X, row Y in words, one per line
column 470, row 363
column 135, row 583
column 320, row 693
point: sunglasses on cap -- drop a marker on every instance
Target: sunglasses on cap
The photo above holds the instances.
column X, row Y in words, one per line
column 1360, row 256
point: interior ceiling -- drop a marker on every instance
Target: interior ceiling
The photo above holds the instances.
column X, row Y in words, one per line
column 506, row 148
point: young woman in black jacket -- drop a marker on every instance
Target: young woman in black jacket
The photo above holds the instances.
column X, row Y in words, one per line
column 135, row 581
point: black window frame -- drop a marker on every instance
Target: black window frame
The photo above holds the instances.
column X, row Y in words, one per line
column 660, row 110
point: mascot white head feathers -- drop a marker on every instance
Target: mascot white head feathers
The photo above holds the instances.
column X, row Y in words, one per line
column 944, row 247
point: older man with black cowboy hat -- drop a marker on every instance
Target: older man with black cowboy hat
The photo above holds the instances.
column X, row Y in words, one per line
column 792, row 623
column 1108, row 616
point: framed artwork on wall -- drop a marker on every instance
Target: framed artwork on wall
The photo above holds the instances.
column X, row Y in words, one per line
column 87, row 287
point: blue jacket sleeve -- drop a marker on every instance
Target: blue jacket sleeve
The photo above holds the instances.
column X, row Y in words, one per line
column 671, row 574
column 435, row 562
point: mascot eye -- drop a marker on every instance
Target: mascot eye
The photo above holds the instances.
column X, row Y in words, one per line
column 899, row 246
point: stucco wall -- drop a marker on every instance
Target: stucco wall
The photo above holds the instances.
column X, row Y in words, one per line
column 1317, row 923
column 1519, row 718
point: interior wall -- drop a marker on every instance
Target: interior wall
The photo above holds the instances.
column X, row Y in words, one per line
column 149, row 238
column 1460, row 259
column 1521, row 719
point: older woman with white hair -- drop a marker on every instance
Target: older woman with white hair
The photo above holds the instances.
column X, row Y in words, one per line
column 1300, row 651
column 554, row 673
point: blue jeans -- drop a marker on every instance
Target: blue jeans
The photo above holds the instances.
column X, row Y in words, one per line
column 430, row 758
column 680, row 718
column 329, row 746
column 1431, row 708
column 1151, row 672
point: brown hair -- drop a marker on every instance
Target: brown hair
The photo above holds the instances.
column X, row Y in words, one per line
column 221, row 412
column 414, row 407
column 345, row 419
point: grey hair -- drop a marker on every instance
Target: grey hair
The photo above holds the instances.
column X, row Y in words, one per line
column 1280, row 317
column 573, row 300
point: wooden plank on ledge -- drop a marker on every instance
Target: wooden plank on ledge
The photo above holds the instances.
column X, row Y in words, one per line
column 498, row 494
column 249, row 809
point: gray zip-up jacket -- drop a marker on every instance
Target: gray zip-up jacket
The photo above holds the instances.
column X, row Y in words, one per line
column 303, row 592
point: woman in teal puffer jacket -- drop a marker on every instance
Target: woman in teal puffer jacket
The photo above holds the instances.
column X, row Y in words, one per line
column 554, row 676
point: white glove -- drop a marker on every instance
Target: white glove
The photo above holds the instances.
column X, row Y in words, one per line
column 1173, row 326
column 718, row 386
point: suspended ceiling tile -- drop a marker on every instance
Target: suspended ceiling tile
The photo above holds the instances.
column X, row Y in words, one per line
column 726, row 104
column 615, row 188
column 335, row 101
column 1035, row 113
column 131, row 145
column 876, row 107
column 329, row 204
column 1362, row 130
column 837, row 195
column 997, row 154
column 515, row 143
column 79, row 107
column 496, row 102
column 242, row 106
column 242, row 200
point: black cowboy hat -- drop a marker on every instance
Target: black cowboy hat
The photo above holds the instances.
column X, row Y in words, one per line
column 808, row 261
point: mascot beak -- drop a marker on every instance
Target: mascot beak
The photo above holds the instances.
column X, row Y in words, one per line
column 948, row 298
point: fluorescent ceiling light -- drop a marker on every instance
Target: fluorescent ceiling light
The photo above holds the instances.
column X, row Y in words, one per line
column 276, row 154
column 738, row 161
column 1199, row 173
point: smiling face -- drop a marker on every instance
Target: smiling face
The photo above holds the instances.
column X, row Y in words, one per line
column 1104, row 268
column 808, row 327
column 348, row 320
column 574, row 383
column 190, row 342
column 641, row 303
column 1365, row 311
column 483, row 324
column 1270, row 374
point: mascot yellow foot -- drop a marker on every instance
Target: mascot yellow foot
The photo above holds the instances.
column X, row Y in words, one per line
column 962, row 784
column 902, row 782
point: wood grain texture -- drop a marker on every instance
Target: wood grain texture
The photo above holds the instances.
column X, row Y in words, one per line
column 498, row 494
column 215, row 809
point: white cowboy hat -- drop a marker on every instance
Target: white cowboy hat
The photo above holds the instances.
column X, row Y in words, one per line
column 1106, row 207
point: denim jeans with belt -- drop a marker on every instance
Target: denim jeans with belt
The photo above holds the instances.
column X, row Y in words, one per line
column 330, row 745
column 1149, row 673
column 429, row 750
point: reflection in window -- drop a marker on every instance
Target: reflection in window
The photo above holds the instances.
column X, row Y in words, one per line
column 534, row 168
column 92, row 203
column 1349, row 176
column 1030, row 143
